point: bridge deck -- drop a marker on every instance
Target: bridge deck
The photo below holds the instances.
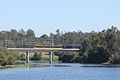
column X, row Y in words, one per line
column 44, row 49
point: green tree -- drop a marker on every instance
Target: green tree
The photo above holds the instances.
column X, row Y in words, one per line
column 7, row 57
column 30, row 35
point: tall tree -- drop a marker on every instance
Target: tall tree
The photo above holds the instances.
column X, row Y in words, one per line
column 30, row 35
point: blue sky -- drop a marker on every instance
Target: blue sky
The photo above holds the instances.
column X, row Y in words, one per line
column 45, row 16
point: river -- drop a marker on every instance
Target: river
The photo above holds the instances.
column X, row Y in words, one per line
column 62, row 71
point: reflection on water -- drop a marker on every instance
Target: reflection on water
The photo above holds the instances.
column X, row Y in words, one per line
column 62, row 71
column 38, row 65
column 101, row 65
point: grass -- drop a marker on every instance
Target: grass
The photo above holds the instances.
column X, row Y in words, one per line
column 19, row 63
column 45, row 58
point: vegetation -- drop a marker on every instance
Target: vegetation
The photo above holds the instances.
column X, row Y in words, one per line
column 44, row 58
column 18, row 39
column 36, row 57
column 95, row 47
column 7, row 57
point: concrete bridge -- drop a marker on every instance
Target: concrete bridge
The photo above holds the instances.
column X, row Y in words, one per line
column 50, row 50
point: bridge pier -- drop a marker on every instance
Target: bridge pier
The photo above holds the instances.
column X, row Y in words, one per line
column 50, row 57
column 27, row 57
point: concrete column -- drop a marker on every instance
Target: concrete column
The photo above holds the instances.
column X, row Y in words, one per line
column 50, row 57
column 27, row 57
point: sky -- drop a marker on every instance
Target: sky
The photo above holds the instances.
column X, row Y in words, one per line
column 46, row 16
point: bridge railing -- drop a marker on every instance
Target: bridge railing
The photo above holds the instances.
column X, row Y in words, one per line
column 48, row 46
column 32, row 44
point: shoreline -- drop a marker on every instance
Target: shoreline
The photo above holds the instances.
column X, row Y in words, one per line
column 32, row 64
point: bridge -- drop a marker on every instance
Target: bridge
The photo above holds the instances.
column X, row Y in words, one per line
column 51, row 50
column 28, row 47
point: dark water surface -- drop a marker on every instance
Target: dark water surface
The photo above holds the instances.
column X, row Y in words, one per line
column 62, row 71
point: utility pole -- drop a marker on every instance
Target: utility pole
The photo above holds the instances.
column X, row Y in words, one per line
column 51, row 53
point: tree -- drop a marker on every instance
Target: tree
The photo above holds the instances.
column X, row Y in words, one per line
column 30, row 35
column 7, row 57
column 95, row 47
column 14, row 34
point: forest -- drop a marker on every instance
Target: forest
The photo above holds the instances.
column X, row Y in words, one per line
column 101, row 47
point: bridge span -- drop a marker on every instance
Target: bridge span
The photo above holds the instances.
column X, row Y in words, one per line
column 50, row 50
column 44, row 49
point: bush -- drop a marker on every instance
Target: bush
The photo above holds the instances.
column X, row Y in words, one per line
column 36, row 57
column 67, row 57
column 97, row 55
column 7, row 57
column 115, row 59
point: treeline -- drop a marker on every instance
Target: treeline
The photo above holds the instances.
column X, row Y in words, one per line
column 14, row 38
column 95, row 47
column 26, row 39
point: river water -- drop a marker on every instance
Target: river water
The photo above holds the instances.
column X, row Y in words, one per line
column 62, row 71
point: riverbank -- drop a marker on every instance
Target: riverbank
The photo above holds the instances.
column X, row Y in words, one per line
column 8, row 66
